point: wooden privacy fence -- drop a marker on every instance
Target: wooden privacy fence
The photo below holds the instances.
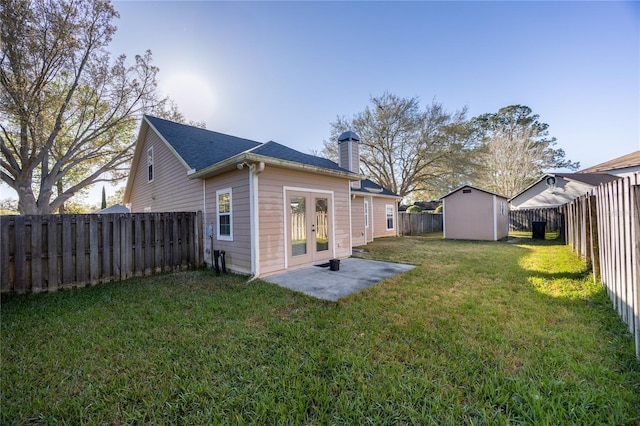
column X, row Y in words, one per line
column 419, row 223
column 604, row 229
column 520, row 220
column 49, row 252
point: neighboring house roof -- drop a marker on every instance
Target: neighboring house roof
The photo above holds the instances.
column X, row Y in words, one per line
column 476, row 188
column 629, row 160
column 593, row 179
column 369, row 187
column 116, row 208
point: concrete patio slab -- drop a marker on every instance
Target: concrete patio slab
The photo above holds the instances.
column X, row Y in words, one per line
column 354, row 275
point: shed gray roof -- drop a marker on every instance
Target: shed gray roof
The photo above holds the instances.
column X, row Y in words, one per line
column 201, row 148
column 473, row 187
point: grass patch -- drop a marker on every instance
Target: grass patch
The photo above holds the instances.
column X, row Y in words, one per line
column 478, row 333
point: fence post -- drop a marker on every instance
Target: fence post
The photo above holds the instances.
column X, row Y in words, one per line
column 636, row 283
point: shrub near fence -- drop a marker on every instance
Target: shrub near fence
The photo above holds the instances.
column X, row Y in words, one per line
column 48, row 252
column 419, row 223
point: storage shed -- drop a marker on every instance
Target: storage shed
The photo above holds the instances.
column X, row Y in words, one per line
column 471, row 213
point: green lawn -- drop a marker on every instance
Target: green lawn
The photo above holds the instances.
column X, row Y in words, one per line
column 478, row 333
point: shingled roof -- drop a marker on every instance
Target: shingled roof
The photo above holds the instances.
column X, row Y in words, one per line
column 201, row 148
column 629, row 160
column 367, row 186
column 593, row 179
column 278, row 151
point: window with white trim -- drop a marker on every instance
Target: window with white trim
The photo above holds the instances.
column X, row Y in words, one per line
column 150, row 164
column 224, row 213
column 389, row 217
column 366, row 214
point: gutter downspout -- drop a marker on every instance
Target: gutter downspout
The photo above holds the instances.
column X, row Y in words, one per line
column 254, row 217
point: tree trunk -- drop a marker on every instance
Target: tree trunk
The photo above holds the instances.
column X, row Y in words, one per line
column 26, row 200
column 60, row 191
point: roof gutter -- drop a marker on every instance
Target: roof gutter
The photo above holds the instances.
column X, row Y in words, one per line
column 231, row 163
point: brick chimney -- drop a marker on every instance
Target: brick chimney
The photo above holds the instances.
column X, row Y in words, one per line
column 349, row 154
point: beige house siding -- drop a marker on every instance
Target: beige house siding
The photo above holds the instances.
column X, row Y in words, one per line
column 237, row 251
column 170, row 189
column 358, row 231
column 476, row 215
column 271, row 183
column 378, row 217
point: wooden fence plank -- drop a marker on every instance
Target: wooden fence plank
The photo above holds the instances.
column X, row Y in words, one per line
column 199, row 239
column 68, row 275
column 175, row 242
column 106, row 273
column 116, row 254
column 94, row 249
column 157, row 241
column 628, row 249
column 80, row 250
column 126, row 248
column 20, row 255
column 5, row 255
column 137, row 236
column 166, row 239
column 54, row 276
column 636, row 275
column 50, row 251
column 148, row 255
column 36, row 253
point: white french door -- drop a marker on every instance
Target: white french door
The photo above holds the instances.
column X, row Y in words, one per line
column 309, row 227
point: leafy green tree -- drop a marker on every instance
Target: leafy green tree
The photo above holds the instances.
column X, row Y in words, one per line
column 516, row 150
column 68, row 112
column 405, row 148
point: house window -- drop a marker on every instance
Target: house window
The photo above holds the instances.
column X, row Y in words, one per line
column 389, row 217
column 150, row 164
column 366, row 214
column 225, row 221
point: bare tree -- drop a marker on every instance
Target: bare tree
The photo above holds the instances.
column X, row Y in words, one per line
column 68, row 113
column 516, row 150
column 405, row 148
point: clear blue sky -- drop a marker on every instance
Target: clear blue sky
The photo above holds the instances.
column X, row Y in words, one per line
column 284, row 70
